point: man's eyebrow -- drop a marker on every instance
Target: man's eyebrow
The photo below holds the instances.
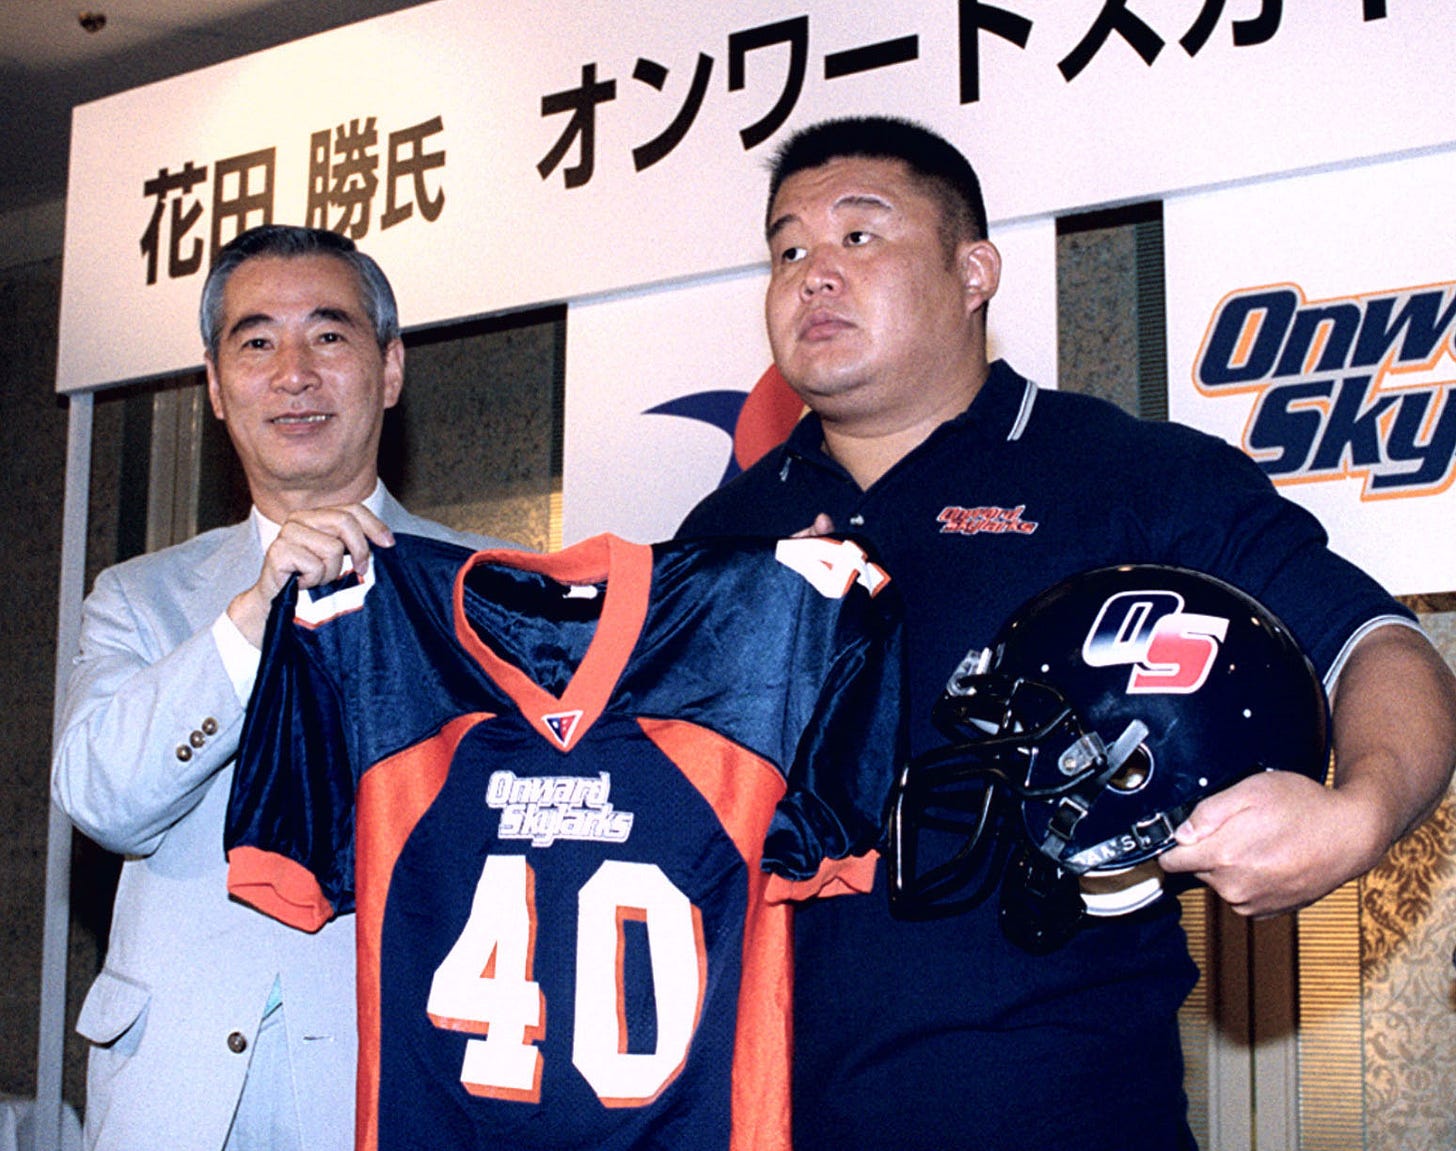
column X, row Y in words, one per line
column 851, row 200
column 779, row 225
column 251, row 320
column 334, row 315
column 322, row 312
column 863, row 200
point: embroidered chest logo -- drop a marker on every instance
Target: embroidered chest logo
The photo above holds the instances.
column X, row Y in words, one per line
column 546, row 808
column 974, row 521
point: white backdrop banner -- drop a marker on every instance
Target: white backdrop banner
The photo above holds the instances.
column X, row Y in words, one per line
column 650, row 419
column 656, row 383
column 498, row 156
column 1312, row 322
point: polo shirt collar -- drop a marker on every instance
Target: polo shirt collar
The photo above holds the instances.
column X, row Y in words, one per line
column 1000, row 411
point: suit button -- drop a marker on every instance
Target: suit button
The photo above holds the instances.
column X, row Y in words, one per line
column 184, row 753
column 197, row 739
column 209, row 726
column 237, row 1042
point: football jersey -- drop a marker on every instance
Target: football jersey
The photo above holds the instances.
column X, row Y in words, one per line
column 553, row 787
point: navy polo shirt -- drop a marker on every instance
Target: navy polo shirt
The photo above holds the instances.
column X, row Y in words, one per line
column 942, row 1034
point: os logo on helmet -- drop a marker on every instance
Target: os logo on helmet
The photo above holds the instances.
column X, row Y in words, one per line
column 1171, row 651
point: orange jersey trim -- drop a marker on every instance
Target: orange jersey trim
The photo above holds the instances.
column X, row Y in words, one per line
column 393, row 795
column 279, row 887
column 854, row 875
column 763, row 1034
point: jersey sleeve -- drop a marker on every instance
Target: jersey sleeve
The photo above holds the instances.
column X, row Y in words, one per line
column 290, row 820
column 839, row 779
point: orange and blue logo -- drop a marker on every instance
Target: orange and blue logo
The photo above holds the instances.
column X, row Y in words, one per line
column 1344, row 388
column 757, row 421
column 976, row 521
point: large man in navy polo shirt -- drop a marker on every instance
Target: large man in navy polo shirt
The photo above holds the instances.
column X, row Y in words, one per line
column 979, row 490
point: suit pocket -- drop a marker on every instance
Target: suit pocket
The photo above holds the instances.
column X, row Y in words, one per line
column 114, row 1011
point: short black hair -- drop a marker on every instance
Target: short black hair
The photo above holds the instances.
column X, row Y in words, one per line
column 932, row 160
column 288, row 241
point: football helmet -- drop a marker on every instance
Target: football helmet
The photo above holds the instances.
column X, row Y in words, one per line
column 1101, row 714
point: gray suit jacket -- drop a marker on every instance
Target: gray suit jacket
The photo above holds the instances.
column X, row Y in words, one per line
column 174, row 1013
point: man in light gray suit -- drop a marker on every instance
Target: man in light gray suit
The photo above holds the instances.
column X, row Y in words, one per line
column 214, row 1026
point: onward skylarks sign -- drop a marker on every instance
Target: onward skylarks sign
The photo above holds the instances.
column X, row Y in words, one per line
column 1344, row 388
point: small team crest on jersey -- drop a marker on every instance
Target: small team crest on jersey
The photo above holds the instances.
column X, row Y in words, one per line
column 988, row 520
column 562, row 725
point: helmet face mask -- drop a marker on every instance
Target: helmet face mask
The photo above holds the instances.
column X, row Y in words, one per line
column 1103, row 712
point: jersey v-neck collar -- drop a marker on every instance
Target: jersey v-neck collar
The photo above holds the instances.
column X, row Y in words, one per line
column 626, row 570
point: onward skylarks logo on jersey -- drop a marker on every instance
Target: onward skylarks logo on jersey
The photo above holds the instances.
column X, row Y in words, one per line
column 1343, row 388
column 974, row 521
column 546, row 808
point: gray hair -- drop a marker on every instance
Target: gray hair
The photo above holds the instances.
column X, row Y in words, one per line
column 288, row 241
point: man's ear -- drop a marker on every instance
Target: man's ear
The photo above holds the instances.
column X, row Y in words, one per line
column 393, row 371
column 214, row 388
column 980, row 267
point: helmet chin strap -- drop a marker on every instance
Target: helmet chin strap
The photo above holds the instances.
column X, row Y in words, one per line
column 1041, row 902
column 1079, row 797
column 1155, row 834
column 1041, row 905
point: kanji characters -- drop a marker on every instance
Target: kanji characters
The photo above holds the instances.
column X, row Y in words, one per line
column 242, row 191
column 409, row 160
column 184, row 216
column 342, row 177
column 343, row 185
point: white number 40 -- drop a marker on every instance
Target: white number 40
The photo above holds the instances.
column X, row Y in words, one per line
column 485, row 985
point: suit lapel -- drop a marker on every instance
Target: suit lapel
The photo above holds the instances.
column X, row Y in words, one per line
column 231, row 565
